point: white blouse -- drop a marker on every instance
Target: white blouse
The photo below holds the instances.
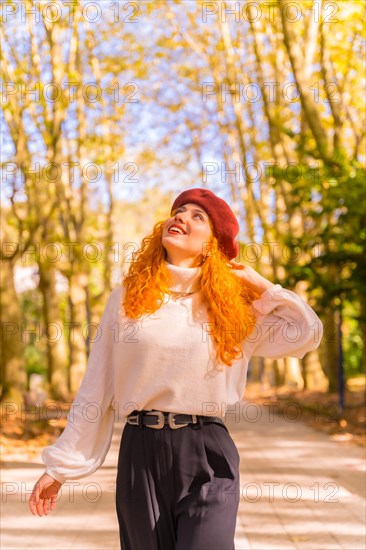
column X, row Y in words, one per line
column 165, row 361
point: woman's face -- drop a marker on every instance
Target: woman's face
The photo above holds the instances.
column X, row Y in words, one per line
column 187, row 246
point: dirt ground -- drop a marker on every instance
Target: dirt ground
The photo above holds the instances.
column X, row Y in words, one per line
column 318, row 409
column 23, row 435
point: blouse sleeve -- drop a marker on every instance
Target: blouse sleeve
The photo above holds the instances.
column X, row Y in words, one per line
column 286, row 325
column 83, row 445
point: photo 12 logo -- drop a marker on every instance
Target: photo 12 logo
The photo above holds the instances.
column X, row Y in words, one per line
column 68, row 11
column 255, row 11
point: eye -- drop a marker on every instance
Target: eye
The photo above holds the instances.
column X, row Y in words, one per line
column 196, row 214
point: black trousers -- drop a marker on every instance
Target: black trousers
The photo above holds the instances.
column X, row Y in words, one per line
column 177, row 489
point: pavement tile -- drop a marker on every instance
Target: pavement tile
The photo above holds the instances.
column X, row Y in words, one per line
column 299, row 489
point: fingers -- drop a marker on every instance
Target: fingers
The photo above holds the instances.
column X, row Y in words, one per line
column 42, row 506
column 52, row 503
column 39, row 506
column 46, row 506
column 35, row 498
column 32, row 504
column 42, row 501
column 238, row 265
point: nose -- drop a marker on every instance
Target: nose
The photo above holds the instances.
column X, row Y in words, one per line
column 179, row 217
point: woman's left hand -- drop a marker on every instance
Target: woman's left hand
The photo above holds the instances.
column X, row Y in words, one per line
column 253, row 279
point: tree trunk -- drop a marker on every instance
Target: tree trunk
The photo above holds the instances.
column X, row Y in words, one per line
column 330, row 346
column 307, row 102
column 54, row 334
column 13, row 374
column 293, row 375
column 77, row 305
column 312, row 372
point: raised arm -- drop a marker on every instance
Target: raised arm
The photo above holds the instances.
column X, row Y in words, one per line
column 286, row 326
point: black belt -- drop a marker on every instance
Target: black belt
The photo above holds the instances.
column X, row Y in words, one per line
column 157, row 419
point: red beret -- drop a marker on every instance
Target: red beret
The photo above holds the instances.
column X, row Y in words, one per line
column 224, row 222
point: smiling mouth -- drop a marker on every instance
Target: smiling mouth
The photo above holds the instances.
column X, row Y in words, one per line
column 176, row 232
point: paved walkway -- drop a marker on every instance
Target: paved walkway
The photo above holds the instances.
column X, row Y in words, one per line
column 299, row 489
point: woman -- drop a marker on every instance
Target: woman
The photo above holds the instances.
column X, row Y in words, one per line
column 175, row 342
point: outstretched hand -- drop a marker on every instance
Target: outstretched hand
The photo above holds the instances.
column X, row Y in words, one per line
column 43, row 497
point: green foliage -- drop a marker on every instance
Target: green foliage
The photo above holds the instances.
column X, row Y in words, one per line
column 316, row 205
column 352, row 339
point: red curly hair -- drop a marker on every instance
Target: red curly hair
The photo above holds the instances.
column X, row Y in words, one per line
column 227, row 296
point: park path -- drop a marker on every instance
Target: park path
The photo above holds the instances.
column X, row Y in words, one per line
column 299, row 489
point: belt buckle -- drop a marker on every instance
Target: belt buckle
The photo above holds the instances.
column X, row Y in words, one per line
column 173, row 425
column 133, row 420
column 161, row 420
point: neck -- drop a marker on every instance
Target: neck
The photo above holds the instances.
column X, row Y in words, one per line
column 183, row 279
